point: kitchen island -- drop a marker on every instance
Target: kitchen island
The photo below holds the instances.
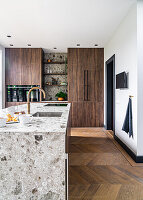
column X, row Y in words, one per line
column 32, row 156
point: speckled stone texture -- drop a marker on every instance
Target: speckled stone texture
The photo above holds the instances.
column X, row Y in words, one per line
column 32, row 166
column 51, row 91
column 32, row 161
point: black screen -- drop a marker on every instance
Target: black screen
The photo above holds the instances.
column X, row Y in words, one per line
column 121, row 80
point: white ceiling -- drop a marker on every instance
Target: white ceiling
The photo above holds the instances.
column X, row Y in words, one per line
column 60, row 23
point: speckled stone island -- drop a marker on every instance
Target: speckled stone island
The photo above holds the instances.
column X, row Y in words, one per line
column 32, row 157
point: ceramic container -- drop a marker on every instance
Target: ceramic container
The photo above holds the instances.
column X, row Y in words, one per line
column 25, row 119
column 2, row 122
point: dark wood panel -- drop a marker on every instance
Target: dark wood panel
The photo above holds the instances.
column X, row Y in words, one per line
column 86, row 84
column 8, row 104
column 99, row 79
column 87, row 114
column 23, row 66
column 72, row 74
column 80, row 63
column 86, row 58
column 37, row 69
column 13, row 66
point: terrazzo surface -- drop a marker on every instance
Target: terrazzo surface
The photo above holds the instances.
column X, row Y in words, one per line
column 42, row 124
column 32, row 157
column 51, row 91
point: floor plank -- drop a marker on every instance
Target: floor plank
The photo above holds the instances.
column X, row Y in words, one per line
column 88, row 159
column 98, row 148
column 99, row 169
column 124, row 153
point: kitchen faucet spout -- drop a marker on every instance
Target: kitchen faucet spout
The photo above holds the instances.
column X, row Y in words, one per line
column 28, row 98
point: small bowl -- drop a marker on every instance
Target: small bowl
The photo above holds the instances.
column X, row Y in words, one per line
column 2, row 122
column 25, row 119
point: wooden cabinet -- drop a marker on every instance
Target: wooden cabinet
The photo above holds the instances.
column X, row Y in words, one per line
column 87, row 114
column 86, row 86
column 23, row 66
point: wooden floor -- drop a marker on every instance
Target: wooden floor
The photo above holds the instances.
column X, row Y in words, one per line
column 99, row 169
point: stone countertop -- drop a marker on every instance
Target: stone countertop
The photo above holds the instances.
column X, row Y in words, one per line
column 32, row 157
column 40, row 124
column 52, row 102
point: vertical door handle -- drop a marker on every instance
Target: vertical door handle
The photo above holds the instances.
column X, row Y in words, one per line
column 85, row 85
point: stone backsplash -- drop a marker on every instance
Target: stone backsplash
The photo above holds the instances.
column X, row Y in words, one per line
column 51, row 91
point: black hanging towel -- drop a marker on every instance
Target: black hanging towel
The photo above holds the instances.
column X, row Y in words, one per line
column 128, row 126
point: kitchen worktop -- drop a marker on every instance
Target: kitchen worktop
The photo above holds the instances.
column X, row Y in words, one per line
column 54, row 101
column 44, row 124
column 32, row 157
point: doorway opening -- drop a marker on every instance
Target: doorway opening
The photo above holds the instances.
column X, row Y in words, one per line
column 110, row 94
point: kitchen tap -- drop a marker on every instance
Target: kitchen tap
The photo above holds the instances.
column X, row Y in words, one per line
column 28, row 98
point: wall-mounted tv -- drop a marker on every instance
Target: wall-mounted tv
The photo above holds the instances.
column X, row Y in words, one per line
column 121, row 80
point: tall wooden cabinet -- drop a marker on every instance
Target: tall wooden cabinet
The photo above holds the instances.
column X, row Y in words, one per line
column 86, row 86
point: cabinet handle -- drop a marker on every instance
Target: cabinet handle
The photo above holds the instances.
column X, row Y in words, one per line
column 85, row 85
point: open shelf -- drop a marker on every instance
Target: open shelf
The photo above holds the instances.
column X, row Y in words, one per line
column 55, row 74
column 55, row 62
column 56, row 85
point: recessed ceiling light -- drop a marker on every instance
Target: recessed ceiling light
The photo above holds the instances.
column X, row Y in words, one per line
column 11, row 45
column 96, row 45
column 29, row 45
column 9, row 36
column 55, row 47
column 78, row 45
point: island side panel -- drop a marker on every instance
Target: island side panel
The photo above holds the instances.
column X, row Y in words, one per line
column 32, row 166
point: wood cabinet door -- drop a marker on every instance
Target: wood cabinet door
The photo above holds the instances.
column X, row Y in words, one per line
column 23, row 66
column 95, row 86
column 95, row 76
column 99, row 75
column 31, row 66
column 72, row 74
column 87, row 114
column 86, row 74
column 86, row 87
column 75, row 76
column 86, row 58
column 36, row 67
column 12, row 67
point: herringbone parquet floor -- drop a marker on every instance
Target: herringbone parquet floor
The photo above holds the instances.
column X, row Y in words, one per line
column 100, row 170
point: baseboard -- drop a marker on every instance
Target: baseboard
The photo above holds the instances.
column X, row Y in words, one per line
column 137, row 159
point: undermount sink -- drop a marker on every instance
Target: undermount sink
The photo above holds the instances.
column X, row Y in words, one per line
column 47, row 114
column 57, row 104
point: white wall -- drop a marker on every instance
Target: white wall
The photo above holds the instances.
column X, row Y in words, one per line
column 140, row 75
column 2, row 77
column 124, row 45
